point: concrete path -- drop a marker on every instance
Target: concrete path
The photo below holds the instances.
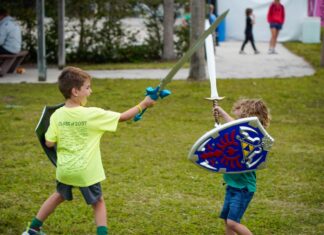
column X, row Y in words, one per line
column 229, row 64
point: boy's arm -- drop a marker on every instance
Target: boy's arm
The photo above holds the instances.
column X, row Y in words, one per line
column 223, row 114
column 3, row 34
column 130, row 113
column 253, row 18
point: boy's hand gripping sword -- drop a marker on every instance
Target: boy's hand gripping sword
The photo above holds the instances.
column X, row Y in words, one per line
column 159, row 91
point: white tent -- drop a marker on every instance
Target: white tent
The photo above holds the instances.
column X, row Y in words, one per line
column 296, row 13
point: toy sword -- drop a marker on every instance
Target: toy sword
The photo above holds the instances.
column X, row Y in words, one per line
column 210, row 54
column 159, row 91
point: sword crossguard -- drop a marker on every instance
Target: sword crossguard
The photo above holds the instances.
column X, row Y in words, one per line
column 154, row 93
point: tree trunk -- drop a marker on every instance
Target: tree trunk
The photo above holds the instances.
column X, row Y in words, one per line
column 322, row 54
column 81, row 39
column 197, row 63
column 168, row 21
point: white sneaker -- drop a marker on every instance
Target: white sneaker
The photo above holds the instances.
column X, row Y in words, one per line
column 272, row 51
column 242, row 53
column 30, row 231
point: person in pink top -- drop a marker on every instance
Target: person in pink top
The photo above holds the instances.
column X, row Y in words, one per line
column 276, row 18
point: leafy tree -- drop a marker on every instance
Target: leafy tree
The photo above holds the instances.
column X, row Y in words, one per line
column 93, row 29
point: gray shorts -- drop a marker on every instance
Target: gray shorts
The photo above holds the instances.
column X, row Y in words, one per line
column 91, row 194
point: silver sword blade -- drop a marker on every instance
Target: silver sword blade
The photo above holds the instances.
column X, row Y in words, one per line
column 211, row 65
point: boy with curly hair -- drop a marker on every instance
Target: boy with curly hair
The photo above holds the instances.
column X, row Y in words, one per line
column 241, row 187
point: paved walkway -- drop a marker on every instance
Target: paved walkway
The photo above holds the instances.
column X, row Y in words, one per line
column 229, row 64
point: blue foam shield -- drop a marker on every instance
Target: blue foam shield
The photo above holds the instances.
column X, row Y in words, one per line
column 235, row 147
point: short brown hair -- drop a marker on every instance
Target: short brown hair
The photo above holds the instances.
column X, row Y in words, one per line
column 71, row 77
column 254, row 107
column 248, row 11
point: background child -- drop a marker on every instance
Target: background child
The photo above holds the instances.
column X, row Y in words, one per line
column 241, row 187
column 276, row 18
column 76, row 131
column 250, row 20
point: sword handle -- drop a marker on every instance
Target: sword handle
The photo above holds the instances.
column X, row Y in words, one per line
column 216, row 113
column 154, row 93
column 139, row 115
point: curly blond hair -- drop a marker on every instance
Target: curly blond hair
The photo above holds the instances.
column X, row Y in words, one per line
column 253, row 107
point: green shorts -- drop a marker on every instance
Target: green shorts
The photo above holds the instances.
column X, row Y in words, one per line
column 91, row 194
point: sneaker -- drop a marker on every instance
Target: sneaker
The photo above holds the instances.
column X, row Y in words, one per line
column 242, row 53
column 257, row 52
column 272, row 51
column 30, row 231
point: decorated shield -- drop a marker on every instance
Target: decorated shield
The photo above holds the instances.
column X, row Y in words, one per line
column 41, row 129
column 235, row 147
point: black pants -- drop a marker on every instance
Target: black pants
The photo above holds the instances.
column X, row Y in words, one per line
column 248, row 37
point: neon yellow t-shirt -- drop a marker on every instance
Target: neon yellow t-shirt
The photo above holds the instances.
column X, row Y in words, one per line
column 77, row 133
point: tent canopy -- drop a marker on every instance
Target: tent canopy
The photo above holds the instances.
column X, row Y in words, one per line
column 296, row 13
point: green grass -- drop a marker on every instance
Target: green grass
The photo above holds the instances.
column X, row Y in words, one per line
column 141, row 65
column 151, row 187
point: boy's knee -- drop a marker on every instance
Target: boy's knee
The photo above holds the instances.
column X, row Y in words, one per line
column 100, row 201
column 232, row 224
column 58, row 197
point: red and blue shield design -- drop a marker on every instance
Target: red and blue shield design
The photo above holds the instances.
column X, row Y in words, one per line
column 234, row 147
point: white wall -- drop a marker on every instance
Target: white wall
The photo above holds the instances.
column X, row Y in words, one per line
column 296, row 12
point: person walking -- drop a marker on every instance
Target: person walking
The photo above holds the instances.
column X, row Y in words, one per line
column 250, row 21
column 276, row 19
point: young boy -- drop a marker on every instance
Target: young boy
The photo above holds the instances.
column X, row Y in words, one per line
column 241, row 187
column 76, row 131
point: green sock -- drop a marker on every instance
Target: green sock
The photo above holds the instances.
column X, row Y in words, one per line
column 36, row 223
column 102, row 230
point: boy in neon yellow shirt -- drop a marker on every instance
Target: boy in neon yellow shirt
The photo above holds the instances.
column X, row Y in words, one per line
column 76, row 131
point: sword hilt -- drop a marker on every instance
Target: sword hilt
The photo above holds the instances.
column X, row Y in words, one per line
column 215, row 112
column 154, row 93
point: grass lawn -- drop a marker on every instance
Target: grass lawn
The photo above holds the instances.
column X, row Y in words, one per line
column 151, row 187
column 141, row 65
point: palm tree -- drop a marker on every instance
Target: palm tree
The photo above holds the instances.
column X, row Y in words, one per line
column 197, row 63
column 168, row 20
column 322, row 54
